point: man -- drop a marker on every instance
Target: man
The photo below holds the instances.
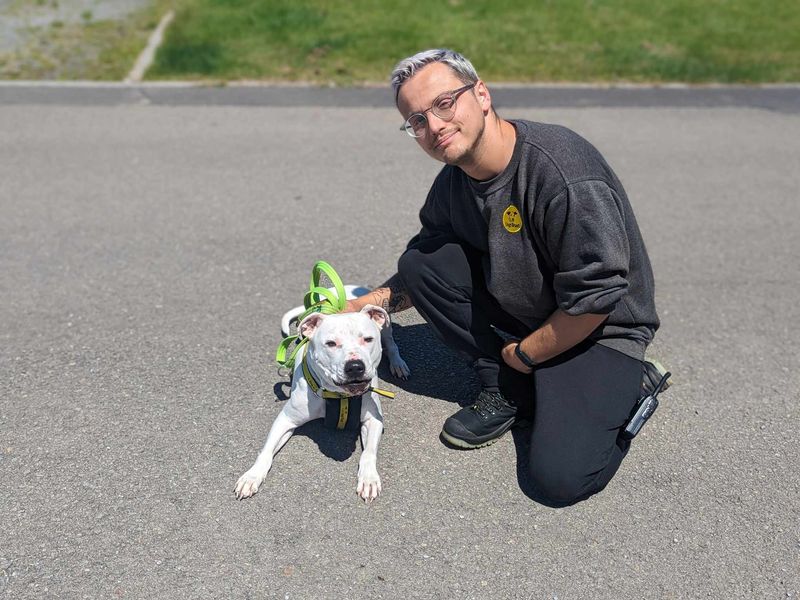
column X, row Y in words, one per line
column 530, row 262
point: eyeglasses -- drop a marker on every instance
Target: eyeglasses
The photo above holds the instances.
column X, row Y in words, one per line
column 444, row 107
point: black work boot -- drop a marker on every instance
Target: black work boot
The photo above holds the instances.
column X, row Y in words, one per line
column 481, row 424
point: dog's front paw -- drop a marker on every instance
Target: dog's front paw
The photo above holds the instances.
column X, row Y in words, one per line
column 249, row 483
column 369, row 485
column 398, row 367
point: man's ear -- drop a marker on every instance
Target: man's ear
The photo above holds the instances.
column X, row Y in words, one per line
column 377, row 314
column 310, row 324
column 484, row 97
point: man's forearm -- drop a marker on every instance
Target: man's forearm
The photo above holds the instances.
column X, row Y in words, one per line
column 558, row 334
column 392, row 296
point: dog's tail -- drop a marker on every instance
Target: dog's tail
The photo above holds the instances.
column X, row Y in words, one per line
column 290, row 318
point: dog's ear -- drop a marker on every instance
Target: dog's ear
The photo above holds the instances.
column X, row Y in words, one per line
column 310, row 324
column 377, row 314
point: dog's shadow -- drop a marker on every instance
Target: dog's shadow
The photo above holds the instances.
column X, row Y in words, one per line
column 335, row 444
column 338, row 445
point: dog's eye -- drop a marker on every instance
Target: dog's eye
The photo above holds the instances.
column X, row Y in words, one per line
column 369, row 339
column 330, row 344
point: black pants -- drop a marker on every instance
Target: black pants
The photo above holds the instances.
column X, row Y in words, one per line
column 579, row 400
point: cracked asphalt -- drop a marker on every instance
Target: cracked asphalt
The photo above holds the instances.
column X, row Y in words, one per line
column 148, row 249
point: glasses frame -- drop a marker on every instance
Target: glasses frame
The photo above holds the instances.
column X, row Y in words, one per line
column 406, row 126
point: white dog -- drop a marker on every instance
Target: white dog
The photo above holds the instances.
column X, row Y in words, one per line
column 340, row 359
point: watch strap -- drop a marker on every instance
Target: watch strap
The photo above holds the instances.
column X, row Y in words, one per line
column 526, row 360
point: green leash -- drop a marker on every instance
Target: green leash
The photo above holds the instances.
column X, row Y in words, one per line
column 317, row 299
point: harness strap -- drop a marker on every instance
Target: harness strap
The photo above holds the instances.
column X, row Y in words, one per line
column 343, row 413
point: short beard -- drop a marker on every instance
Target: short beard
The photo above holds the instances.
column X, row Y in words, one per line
column 468, row 155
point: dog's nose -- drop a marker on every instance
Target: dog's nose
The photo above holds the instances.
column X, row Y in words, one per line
column 354, row 369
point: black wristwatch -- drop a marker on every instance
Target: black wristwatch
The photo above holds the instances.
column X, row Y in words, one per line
column 526, row 360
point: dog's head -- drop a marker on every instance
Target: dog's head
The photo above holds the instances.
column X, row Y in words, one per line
column 344, row 349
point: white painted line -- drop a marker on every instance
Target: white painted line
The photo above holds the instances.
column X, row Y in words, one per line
column 148, row 54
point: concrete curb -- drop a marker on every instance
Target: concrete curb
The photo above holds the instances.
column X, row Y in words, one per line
column 147, row 55
column 780, row 98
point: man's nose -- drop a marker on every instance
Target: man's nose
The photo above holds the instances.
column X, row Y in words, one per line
column 435, row 125
column 354, row 369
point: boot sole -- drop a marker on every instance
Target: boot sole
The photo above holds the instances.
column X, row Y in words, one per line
column 459, row 443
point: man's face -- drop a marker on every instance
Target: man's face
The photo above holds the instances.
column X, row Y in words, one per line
column 452, row 142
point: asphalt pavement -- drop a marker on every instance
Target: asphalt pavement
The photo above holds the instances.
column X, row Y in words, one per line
column 149, row 247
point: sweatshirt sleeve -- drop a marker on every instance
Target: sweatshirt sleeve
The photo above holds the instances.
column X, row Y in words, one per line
column 584, row 233
column 434, row 216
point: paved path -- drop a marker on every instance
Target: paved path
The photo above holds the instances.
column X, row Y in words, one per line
column 147, row 252
column 780, row 98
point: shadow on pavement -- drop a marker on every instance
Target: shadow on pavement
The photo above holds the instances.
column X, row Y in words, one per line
column 335, row 444
column 436, row 371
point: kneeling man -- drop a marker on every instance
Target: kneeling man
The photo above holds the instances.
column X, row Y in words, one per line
column 526, row 231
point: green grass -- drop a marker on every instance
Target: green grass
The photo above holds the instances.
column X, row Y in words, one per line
column 507, row 40
column 345, row 43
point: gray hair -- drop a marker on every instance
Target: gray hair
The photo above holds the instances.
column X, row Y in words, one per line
column 406, row 68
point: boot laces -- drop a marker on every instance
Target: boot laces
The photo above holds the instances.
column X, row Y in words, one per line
column 488, row 403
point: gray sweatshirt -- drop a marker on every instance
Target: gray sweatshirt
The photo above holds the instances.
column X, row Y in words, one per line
column 555, row 230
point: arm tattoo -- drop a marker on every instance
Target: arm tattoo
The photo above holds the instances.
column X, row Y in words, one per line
column 398, row 299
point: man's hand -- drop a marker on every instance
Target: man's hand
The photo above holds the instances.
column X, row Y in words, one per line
column 559, row 333
column 356, row 304
column 510, row 358
column 391, row 297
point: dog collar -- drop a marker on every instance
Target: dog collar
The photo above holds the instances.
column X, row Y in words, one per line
column 328, row 395
column 342, row 411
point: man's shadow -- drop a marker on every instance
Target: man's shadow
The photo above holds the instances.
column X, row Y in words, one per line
column 436, row 372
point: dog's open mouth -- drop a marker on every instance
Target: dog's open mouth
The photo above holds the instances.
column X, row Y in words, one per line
column 355, row 388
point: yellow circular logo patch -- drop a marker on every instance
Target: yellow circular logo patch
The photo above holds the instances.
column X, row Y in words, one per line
column 512, row 220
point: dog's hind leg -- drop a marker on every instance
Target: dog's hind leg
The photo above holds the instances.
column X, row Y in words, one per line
column 397, row 365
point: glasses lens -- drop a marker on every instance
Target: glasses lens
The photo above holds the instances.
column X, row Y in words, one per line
column 415, row 125
column 445, row 107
